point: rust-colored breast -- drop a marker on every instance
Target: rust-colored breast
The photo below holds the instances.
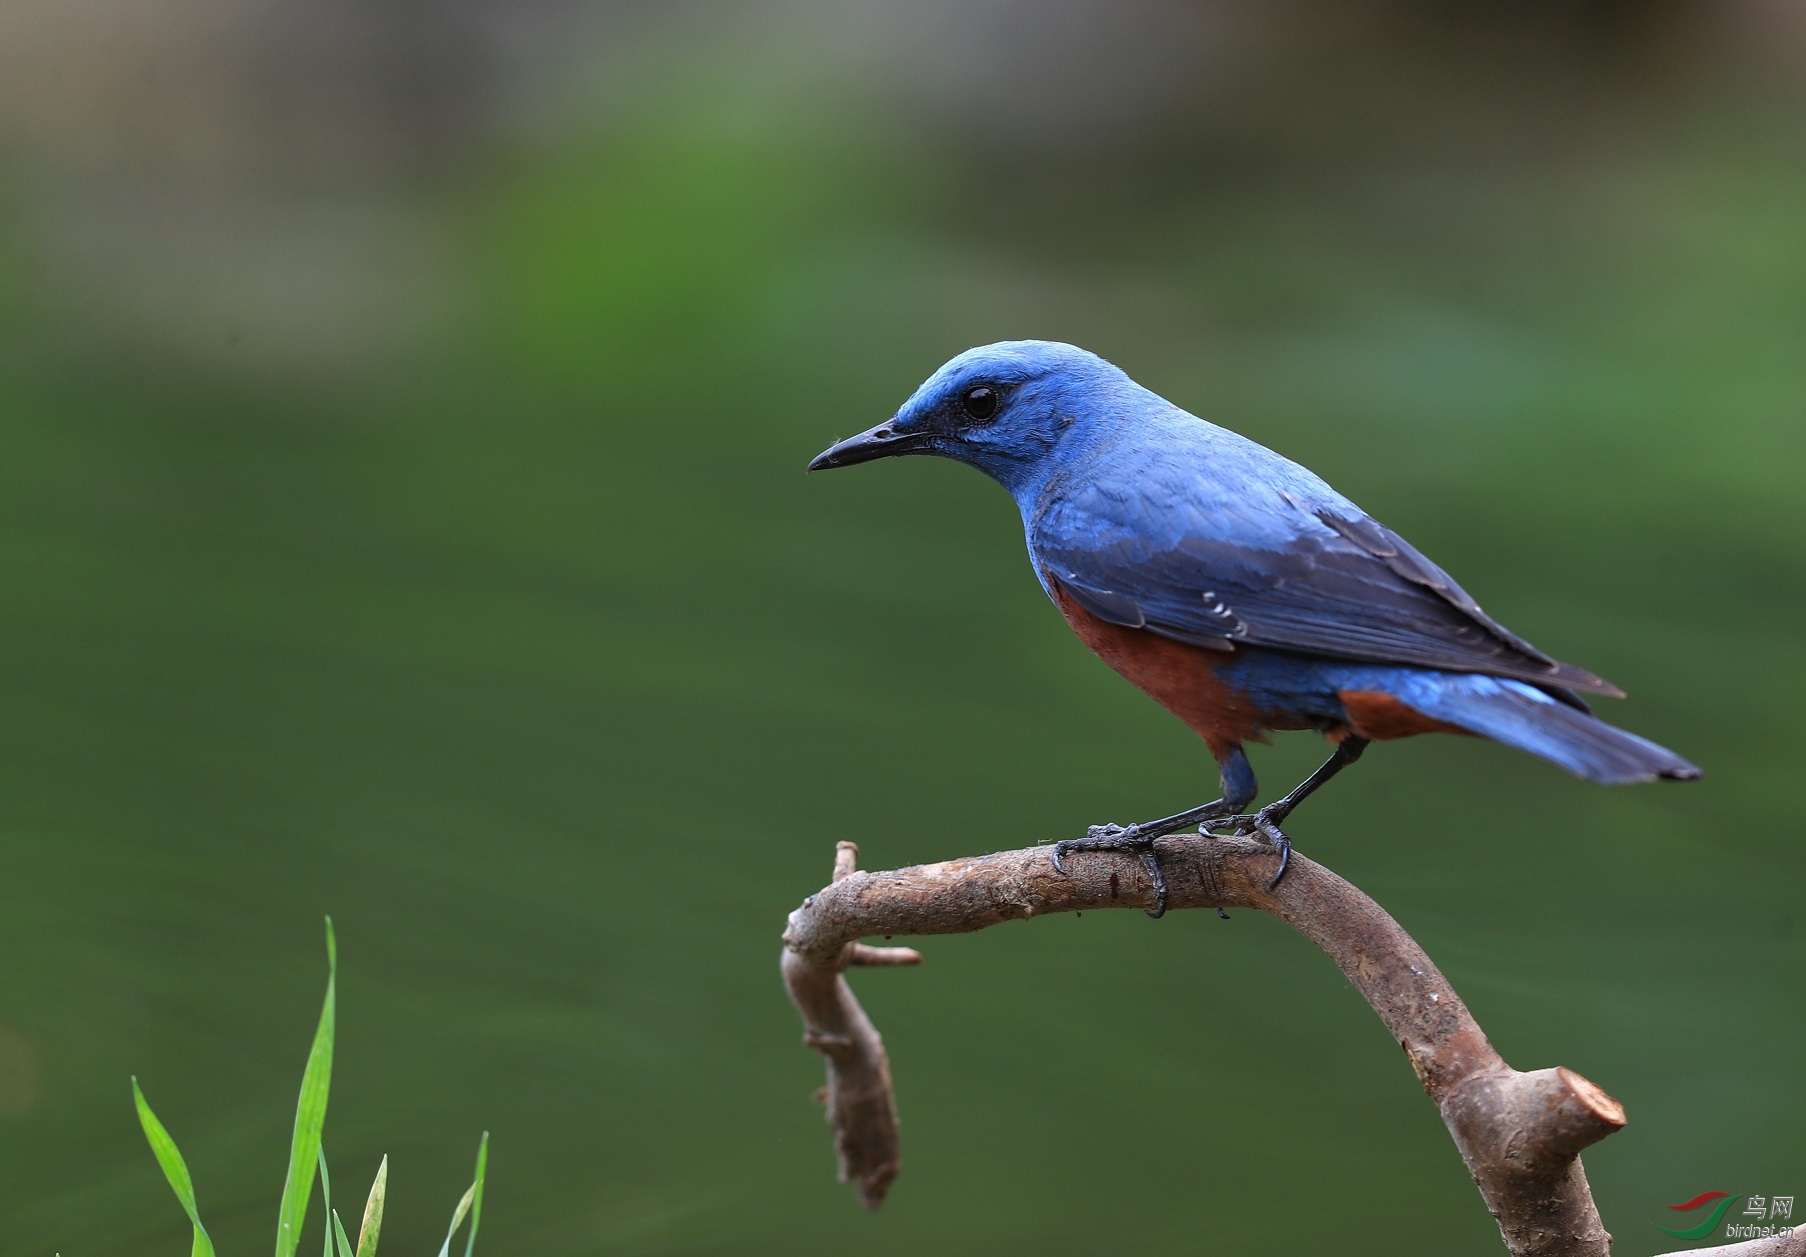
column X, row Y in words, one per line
column 1179, row 677
column 1381, row 717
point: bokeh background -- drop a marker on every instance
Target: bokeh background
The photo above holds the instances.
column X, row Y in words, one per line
column 402, row 417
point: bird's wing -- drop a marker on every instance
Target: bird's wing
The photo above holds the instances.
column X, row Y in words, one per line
column 1311, row 573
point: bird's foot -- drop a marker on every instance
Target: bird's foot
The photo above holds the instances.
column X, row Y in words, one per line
column 1265, row 823
column 1136, row 839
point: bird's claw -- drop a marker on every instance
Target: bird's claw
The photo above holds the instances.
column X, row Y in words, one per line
column 1266, row 825
column 1119, row 838
column 1139, row 839
column 1281, row 844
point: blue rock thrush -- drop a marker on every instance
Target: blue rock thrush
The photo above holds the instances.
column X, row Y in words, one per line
column 1237, row 589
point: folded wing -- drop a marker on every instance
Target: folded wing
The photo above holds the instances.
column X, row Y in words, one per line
column 1318, row 577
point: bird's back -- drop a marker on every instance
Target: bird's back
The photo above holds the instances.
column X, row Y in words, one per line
column 1153, row 518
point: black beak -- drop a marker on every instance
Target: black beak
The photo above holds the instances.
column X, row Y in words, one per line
column 883, row 441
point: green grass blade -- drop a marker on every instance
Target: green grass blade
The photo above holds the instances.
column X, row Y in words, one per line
column 471, row 1204
column 476, row 1202
column 457, row 1220
column 310, row 1115
column 174, row 1169
column 325, row 1198
column 373, row 1212
column 338, row 1229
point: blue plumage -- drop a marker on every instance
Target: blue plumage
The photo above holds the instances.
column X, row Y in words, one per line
column 1154, row 518
column 1307, row 690
column 1235, row 586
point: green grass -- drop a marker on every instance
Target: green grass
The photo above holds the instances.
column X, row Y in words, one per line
column 307, row 1156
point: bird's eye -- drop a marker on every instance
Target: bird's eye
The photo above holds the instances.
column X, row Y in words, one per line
column 980, row 402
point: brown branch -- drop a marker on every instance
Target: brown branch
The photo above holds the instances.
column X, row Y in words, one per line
column 1520, row 1133
column 861, row 1105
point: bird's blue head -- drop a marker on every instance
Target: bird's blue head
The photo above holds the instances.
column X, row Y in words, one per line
column 1005, row 409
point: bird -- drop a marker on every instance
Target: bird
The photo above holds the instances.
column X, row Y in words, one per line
column 1238, row 589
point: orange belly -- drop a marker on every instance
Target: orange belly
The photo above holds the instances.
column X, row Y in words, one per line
column 1179, row 677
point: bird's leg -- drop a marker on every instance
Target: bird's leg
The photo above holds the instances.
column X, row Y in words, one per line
column 1238, row 791
column 1348, row 750
column 1266, row 821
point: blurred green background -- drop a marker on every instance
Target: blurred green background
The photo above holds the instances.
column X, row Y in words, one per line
column 402, row 418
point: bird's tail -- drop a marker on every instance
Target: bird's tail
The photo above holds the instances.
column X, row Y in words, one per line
column 1523, row 716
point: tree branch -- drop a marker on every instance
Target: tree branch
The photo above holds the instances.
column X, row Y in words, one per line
column 1520, row 1133
column 861, row 1104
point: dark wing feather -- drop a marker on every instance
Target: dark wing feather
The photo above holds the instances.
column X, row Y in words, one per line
column 1349, row 588
column 1407, row 561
